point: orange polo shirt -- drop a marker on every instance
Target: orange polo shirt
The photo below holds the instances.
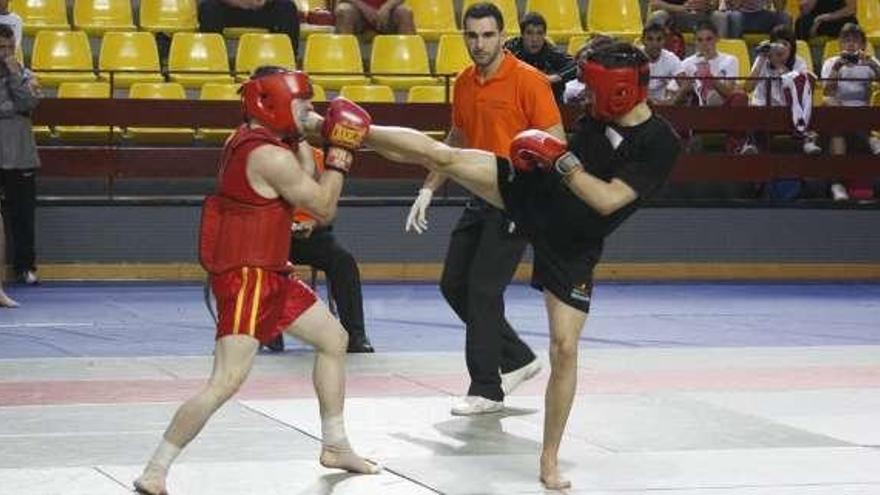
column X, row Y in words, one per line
column 491, row 112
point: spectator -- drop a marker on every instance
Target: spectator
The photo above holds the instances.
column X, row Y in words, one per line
column 18, row 154
column 664, row 66
column 532, row 48
column 687, row 15
column 5, row 300
column 841, row 88
column 824, row 17
column 754, row 16
column 705, row 70
column 382, row 16
column 575, row 91
column 278, row 16
column 11, row 19
column 776, row 57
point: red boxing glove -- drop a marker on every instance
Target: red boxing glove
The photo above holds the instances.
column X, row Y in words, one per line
column 532, row 149
column 345, row 124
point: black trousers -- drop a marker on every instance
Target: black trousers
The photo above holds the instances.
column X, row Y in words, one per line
column 321, row 251
column 20, row 189
column 278, row 16
column 481, row 260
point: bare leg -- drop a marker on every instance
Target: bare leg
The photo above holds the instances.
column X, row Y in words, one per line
column 5, row 301
column 320, row 329
column 566, row 324
column 233, row 358
column 476, row 170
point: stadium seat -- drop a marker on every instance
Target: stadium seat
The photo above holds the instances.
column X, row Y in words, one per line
column 738, row 49
column 868, row 14
column 509, row 13
column 428, row 94
column 239, row 31
column 81, row 133
column 215, row 91
column 368, row 93
column 62, row 56
column 803, row 50
column 155, row 135
column 434, row 18
column 97, row 17
column 134, row 55
column 337, row 56
column 318, row 93
column 619, row 18
column 576, row 42
column 198, row 58
column 255, row 50
column 563, row 16
column 400, row 54
column 832, row 48
column 168, row 16
column 452, row 55
column 37, row 15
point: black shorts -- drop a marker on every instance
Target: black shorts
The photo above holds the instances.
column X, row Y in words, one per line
column 561, row 265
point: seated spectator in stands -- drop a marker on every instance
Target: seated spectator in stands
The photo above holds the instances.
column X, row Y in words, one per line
column 532, row 47
column 381, row 16
column 278, row 16
column 705, row 85
column 11, row 19
column 664, row 66
column 754, row 16
column 852, row 63
column 824, row 17
column 18, row 155
column 687, row 15
column 775, row 58
column 5, row 300
column 575, row 92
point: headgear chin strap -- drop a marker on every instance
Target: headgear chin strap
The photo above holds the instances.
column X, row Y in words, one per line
column 267, row 98
column 616, row 90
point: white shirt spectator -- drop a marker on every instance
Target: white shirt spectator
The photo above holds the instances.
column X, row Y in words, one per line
column 667, row 65
column 851, row 93
column 722, row 65
column 777, row 98
column 14, row 21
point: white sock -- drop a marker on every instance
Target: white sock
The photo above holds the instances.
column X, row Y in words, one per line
column 333, row 432
column 165, row 454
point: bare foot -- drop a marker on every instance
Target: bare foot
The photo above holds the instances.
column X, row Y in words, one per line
column 6, row 301
column 550, row 477
column 152, row 482
column 347, row 460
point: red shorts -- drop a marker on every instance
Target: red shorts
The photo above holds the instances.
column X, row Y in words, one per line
column 253, row 301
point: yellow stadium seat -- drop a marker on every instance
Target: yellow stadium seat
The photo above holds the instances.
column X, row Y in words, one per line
column 400, row 54
column 168, row 16
column 576, row 42
column 97, row 17
column 132, row 57
column 239, row 31
column 832, row 48
column 434, row 18
column 318, row 93
column 428, row 94
column 62, row 56
column 738, row 49
column 452, row 56
column 255, row 50
column 619, row 18
column 198, row 58
column 165, row 135
column 334, row 60
column 215, row 91
column 37, row 15
column 868, row 14
column 563, row 16
column 803, row 50
column 509, row 13
column 89, row 133
column 368, row 93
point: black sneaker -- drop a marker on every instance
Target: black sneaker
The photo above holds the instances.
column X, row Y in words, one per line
column 360, row 345
column 28, row 277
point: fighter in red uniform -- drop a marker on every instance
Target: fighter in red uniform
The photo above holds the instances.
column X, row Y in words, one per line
column 244, row 244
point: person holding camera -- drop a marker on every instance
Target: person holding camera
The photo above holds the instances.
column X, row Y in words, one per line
column 19, row 95
column 848, row 77
column 777, row 57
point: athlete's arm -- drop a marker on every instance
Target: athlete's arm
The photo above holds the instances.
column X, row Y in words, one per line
column 604, row 197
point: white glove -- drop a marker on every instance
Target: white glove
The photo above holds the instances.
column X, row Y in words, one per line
column 416, row 219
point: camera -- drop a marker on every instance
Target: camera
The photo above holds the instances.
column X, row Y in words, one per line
column 850, row 58
column 764, row 47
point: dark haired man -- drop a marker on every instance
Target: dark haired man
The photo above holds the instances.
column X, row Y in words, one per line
column 532, row 47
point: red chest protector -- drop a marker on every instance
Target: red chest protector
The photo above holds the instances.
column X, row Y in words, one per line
column 239, row 227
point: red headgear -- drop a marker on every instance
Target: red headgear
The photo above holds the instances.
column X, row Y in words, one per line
column 267, row 98
column 616, row 90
